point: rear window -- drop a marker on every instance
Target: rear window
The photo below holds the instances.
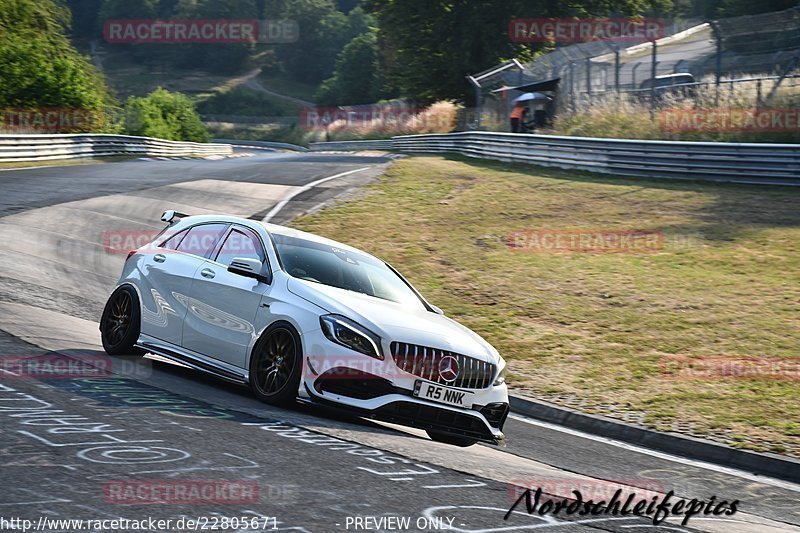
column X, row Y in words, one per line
column 200, row 240
column 173, row 242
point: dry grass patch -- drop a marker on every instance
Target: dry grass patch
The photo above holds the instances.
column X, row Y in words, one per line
column 593, row 329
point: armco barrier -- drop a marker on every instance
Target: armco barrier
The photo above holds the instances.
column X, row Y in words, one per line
column 263, row 144
column 21, row 148
column 385, row 144
column 770, row 164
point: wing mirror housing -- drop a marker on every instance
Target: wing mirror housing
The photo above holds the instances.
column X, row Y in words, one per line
column 249, row 268
column 437, row 310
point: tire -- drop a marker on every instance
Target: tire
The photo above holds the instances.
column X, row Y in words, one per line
column 454, row 440
column 121, row 322
column 276, row 365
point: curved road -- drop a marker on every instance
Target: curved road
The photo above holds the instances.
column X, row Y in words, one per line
column 70, row 443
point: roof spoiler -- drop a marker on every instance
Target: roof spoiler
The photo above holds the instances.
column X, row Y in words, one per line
column 171, row 215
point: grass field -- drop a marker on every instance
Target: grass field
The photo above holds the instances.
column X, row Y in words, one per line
column 598, row 331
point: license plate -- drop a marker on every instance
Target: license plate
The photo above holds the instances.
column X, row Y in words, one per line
column 439, row 393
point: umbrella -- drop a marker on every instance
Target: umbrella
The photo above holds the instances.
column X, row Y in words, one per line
column 532, row 97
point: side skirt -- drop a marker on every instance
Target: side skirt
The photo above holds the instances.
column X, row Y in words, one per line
column 195, row 362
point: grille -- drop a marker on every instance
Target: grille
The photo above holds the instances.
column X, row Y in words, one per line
column 423, row 361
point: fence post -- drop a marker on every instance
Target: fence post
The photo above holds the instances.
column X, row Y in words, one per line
column 589, row 76
column 653, row 79
column 478, row 97
column 572, row 85
column 616, row 70
column 758, row 93
column 718, row 66
column 633, row 74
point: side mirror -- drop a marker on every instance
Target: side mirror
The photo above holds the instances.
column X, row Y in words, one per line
column 437, row 310
column 249, row 268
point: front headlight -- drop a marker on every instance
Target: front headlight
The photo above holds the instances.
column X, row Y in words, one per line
column 342, row 330
column 501, row 374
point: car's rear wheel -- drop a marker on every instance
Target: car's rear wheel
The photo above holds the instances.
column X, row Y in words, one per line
column 276, row 365
column 447, row 438
column 120, row 322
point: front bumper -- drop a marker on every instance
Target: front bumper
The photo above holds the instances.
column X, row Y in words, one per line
column 380, row 390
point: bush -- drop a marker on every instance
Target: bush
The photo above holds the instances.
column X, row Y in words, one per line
column 164, row 115
column 630, row 118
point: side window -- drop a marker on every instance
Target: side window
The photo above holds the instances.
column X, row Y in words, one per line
column 200, row 240
column 173, row 242
column 240, row 243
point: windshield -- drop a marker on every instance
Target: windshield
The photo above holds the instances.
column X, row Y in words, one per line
column 344, row 269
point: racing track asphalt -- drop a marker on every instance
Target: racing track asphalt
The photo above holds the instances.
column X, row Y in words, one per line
column 313, row 468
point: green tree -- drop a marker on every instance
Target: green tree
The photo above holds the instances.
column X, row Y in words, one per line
column 736, row 8
column 218, row 57
column 130, row 9
column 40, row 67
column 164, row 115
column 429, row 46
column 359, row 21
column 323, row 33
column 356, row 78
column 85, row 14
column 346, row 6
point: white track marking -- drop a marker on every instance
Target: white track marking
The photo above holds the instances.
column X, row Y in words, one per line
column 669, row 457
column 280, row 205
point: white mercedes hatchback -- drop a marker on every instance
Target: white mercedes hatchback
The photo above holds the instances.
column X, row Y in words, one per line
column 301, row 317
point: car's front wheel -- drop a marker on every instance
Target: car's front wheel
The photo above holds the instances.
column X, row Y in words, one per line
column 276, row 365
column 120, row 322
column 447, row 438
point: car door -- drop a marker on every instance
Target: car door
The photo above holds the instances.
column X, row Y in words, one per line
column 168, row 277
column 221, row 317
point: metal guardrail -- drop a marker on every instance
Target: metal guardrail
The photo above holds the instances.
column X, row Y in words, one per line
column 263, row 144
column 22, row 148
column 385, row 144
column 773, row 164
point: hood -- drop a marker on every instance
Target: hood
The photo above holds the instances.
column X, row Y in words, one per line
column 396, row 322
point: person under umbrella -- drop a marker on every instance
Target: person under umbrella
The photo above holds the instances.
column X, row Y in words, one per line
column 519, row 116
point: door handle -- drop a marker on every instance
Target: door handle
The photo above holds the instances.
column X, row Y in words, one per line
column 207, row 273
column 159, row 258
